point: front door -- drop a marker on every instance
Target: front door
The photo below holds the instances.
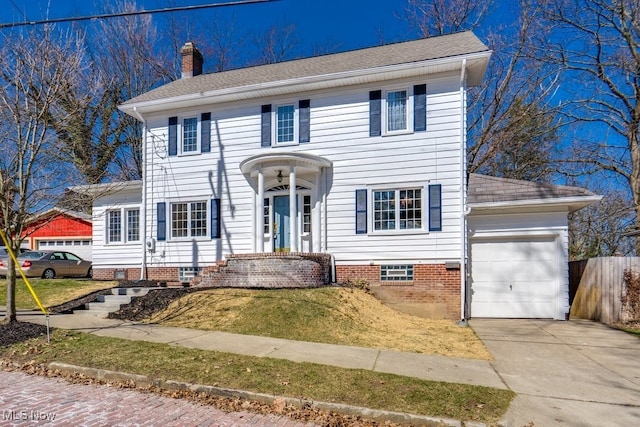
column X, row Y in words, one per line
column 281, row 230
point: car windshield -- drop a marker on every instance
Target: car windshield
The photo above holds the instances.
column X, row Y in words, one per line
column 32, row 255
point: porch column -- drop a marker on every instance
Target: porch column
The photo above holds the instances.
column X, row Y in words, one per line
column 315, row 215
column 259, row 232
column 293, row 217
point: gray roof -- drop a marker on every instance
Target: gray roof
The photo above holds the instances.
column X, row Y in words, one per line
column 452, row 45
column 491, row 189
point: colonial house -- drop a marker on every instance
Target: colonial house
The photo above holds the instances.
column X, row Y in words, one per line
column 353, row 163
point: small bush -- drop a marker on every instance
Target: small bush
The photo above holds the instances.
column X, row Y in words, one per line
column 361, row 284
column 631, row 296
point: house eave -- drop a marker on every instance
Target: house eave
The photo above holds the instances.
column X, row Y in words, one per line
column 475, row 65
column 98, row 190
column 567, row 204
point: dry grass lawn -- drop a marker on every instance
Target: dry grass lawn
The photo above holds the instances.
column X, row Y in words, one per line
column 332, row 315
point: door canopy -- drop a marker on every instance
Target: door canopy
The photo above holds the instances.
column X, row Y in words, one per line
column 273, row 165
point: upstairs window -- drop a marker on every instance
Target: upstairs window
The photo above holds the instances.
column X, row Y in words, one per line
column 285, row 119
column 190, row 135
column 396, row 111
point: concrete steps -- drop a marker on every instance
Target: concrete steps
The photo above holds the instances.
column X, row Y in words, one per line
column 106, row 304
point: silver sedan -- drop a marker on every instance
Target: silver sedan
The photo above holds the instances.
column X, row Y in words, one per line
column 50, row 264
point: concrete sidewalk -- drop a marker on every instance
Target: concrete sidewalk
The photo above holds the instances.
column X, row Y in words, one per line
column 434, row 368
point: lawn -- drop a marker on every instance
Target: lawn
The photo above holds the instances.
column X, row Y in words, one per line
column 332, row 315
column 51, row 292
column 306, row 381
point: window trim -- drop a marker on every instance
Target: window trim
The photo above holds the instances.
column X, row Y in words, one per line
column 190, row 236
column 180, row 130
column 274, row 123
column 397, row 187
column 385, row 113
column 124, row 225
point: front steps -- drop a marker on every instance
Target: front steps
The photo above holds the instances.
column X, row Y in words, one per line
column 106, row 304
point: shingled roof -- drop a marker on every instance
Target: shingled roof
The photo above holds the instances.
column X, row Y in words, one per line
column 483, row 189
column 416, row 51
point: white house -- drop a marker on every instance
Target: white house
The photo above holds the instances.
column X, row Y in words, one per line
column 359, row 155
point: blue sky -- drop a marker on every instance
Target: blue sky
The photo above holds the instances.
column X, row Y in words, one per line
column 350, row 23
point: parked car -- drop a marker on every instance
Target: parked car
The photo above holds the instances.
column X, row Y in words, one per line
column 50, row 264
column 4, row 254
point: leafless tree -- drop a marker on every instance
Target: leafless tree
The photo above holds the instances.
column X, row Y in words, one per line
column 35, row 69
column 598, row 44
column 511, row 125
column 276, row 44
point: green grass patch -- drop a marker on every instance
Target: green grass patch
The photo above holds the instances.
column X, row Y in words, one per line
column 273, row 376
column 51, row 291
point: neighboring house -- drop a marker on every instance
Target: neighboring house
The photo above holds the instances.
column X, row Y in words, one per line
column 61, row 229
column 360, row 155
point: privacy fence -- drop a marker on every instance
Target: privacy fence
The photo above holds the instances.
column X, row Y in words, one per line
column 600, row 291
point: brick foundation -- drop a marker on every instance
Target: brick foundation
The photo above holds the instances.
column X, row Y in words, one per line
column 433, row 293
column 162, row 274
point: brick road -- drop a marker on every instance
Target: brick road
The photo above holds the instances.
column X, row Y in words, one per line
column 27, row 400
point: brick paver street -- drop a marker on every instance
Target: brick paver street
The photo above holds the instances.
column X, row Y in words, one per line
column 27, row 400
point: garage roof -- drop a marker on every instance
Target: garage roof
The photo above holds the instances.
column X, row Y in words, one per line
column 489, row 191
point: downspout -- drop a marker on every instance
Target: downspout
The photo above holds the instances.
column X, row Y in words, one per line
column 143, row 213
column 463, row 196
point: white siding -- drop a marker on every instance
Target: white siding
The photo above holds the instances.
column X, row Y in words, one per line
column 114, row 255
column 339, row 132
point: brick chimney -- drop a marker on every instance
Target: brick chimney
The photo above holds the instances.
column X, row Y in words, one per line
column 191, row 60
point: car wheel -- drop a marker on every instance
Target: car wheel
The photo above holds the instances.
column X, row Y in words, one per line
column 49, row 274
column 90, row 273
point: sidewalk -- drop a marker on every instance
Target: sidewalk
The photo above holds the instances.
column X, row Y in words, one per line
column 428, row 367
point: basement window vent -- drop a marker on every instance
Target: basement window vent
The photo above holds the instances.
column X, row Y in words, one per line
column 185, row 274
column 119, row 275
column 396, row 273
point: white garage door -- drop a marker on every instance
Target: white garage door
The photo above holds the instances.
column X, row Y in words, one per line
column 514, row 278
column 80, row 247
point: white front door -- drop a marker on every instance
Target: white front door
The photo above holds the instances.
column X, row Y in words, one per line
column 514, row 278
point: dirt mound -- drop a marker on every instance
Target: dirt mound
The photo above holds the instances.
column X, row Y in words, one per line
column 15, row 332
column 145, row 306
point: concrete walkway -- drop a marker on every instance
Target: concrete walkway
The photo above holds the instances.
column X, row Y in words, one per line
column 435, row 368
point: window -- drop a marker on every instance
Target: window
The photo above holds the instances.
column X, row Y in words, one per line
column 133, row 225
column 266, row 215
column 285, row 120
column 396, row 273
column 188, row 220
column 396, row 111
column 119, row 232
column 397, row 209
column 114, row 226
column 285, row 123
column 190, row 135
column 306, row 214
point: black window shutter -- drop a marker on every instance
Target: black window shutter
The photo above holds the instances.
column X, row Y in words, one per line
column 205, row 133
column 304, row 118
column 266, row 125
column 435, row 207
column 361, row 211
column 375, row 113
column 173, row 136
column 420, row 108
column 215, row 218
column 162, row 221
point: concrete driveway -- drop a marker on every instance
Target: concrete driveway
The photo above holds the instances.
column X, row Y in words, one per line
column 574, row 373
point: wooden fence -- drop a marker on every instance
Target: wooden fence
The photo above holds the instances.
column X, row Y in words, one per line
column 596, row 287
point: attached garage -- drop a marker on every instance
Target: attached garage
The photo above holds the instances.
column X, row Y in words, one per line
column 519, row 247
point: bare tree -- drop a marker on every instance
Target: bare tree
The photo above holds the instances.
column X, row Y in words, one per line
column 35, row 69
column 438, row 17
column 278, row 43
column 598, row 44
column 511, row 126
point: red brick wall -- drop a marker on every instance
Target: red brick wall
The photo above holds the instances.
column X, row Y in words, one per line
column 164, row 274
column 434, row 291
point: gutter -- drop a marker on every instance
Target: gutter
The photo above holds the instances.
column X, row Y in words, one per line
column 143, row 208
